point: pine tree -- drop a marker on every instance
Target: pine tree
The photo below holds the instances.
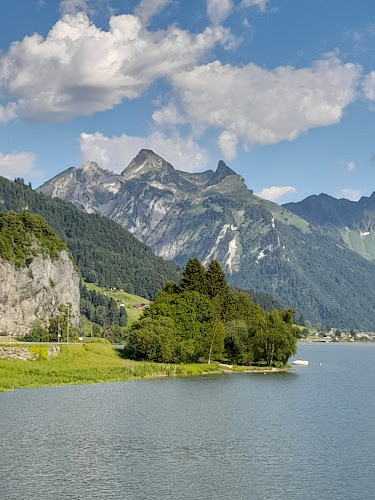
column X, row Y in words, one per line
column 216, row 282
column 194, row 277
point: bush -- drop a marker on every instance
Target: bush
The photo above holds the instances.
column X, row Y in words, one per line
column 37, row 333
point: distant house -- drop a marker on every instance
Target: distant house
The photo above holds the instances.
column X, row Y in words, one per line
column 141, row 306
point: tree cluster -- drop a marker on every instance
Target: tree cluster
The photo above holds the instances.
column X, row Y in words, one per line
column 57, row 330
column 101, row 309
column 202, row 318
column 24, row 236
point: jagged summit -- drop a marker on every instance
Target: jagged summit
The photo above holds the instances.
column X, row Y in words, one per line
column 223, row 170
column 90, row 165
column 146, row 161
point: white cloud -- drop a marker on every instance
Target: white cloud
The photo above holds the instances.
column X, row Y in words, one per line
column 169, row 115
column 18, row 165
column 261, row 4
column 351, row 194
column 369, row 86
column 273, row 193
column 149, row 8
column 267, row 106
column 79, row 69
column 227, row 142
column 8, row 112
column 350, row 166
column 115, row 153
column 73, row 6
column 219, row 10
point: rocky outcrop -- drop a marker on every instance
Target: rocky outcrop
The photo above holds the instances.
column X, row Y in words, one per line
column 28, row 353
column 35, row 292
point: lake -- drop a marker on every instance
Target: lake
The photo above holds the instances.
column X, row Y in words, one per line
column 306, row 434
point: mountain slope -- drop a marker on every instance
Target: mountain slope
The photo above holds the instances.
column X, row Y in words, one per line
column 104, row 252
column 352, row 223
column 213, row 215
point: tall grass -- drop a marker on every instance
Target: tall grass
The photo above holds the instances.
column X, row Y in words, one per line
column 90, row 364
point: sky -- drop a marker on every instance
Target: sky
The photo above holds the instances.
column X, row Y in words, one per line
column 282, row 90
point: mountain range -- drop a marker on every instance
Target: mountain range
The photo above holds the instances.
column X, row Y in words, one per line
column 289, row 251
column 350, row 223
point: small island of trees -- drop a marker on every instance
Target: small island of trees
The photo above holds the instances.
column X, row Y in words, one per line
column 202, row 319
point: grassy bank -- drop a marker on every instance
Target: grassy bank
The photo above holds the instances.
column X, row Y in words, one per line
column 93, row 363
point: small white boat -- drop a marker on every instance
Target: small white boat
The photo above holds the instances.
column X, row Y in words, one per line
column 301, row 362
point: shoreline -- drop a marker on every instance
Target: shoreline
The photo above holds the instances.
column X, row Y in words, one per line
column 101, row 363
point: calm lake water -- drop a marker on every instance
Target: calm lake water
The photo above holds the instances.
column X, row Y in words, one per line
column 307, row 434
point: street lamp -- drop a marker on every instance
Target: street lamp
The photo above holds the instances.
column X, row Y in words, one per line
column 67, row 326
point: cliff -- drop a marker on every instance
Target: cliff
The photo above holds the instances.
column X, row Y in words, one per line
column 36, row 273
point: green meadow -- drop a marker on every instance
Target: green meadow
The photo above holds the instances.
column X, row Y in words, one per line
column 92, row 363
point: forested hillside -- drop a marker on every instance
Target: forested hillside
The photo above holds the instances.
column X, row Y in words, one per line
column 104, row 252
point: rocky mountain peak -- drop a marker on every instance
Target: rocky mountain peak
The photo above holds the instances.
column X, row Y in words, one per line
column 147, row 162
column 89, row 166
column 223, row 170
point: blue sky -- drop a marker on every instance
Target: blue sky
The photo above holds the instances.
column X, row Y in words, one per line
column 282, row 90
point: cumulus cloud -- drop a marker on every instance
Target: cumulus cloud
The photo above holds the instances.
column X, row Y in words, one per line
column 261, row 4
column 227, row 142
column 273, row 193
column 18, row 165
column 116, row 153
column 351, row 194
column 369, row 86
column 350, row 166
column 79, row 69
column 169, row 115
column 73, row 6
column 149, row 8
column 267, row 106
column 219, row 10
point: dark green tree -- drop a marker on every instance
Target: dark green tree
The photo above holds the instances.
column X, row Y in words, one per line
column 216, row 282
column 194, row 277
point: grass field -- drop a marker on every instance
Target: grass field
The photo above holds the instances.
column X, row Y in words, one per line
column 125, row 298
column 93, row 363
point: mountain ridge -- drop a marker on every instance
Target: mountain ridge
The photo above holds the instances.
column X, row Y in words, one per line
column 350, row 223
column 213, row 215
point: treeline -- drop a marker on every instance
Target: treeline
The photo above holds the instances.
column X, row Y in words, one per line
column 104, row 252
column 101, row 310
column 202, row 319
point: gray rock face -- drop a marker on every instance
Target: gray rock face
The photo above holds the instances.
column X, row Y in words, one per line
column 35, row 292
column 213, row 215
